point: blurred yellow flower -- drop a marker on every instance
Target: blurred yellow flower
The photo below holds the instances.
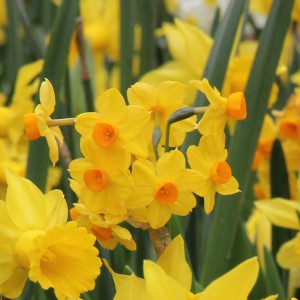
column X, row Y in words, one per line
column 209, row 161
column 189, row 48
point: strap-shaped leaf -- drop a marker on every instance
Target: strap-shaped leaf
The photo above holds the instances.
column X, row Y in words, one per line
column 244, row 141
column 56, row 59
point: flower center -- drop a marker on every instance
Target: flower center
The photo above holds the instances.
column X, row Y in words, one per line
column 220, row 172
column 236, row 106
column 166, row 192
column 157, row 109
column 30, row 126
column 290, row 128
column 101, row 233
column 95, row 179
column 105, row 134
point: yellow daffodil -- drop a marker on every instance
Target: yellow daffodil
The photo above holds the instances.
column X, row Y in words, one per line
column 220, row 109
column 166, row 279
column 189, row 48
column 115, row 124
column 281, row 212
column 37, row 243
column 164, row 188
column 103, row 227
column 161, row 103
column 104, row 178
column 259, row 230
column 37, row 124
column 30, row 214
column 64, row 258
column 284, row 213
column 209, row 161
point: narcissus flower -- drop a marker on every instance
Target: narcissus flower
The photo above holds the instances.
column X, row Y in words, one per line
column 284, row 213
column 36, row 242
column 220, row 109
column 167, row 279
column 115, row 124
column 104, row 178
column 65, row 258
column 104, row 227
column 37, row 124
column 165, row 188
column 209, row 160
column 161, row 103
column 189, row 48
column 22, row 218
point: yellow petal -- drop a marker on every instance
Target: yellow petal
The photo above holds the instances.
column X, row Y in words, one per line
column 158, row 214
column 171, row 92
column 13, row 287
column 197, row 46
column 142, row 94
column 174, row 263
column 111, row 102
column 160, row 285
column 25, row 203
column 281, row 212
column 57, row 209
column 47, row 97
column 235, row 284
column 130, row 285
column 169, row 164
column 228, row 188
column 288, row 255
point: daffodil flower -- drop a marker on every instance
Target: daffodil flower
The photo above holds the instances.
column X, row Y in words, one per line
column 161, row 103
column 39, row 123
column 284, row 213
column 215, row 175
column 104, row 179
column 36, row 242
column 104, row 227
column 115, row 125
column 220, row 109
column 170, row 278
column 165, row 188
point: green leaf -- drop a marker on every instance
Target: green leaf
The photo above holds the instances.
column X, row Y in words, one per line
column 279, row 188
column 272, row 278
column 56, row 59
column 225, row 36
column 244, row 142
